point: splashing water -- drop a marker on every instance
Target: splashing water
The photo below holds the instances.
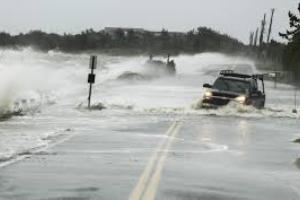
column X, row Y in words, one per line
column 53, row 84
column 30, row 79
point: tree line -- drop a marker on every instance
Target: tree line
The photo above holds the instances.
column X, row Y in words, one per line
column 291, row 54
column 195, row 41
column 198, row 40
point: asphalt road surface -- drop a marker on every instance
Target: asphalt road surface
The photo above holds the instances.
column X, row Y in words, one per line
column 161, row 157
column 150, row 143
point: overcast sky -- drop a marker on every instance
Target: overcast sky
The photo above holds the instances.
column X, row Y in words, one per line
column 234, row 17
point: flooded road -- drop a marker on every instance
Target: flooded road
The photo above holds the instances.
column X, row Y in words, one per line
column 150, row 142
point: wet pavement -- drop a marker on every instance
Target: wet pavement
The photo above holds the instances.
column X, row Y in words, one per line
column 195, row 157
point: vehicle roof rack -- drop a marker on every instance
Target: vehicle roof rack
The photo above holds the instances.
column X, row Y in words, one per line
column 231, row 73
column 259, row 76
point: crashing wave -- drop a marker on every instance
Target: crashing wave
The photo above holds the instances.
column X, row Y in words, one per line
column 20, row 108
column 133, row 76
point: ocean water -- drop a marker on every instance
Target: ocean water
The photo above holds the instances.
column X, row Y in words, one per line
column 43, row 96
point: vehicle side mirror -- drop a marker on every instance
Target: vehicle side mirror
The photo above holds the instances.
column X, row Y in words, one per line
column 206, row 85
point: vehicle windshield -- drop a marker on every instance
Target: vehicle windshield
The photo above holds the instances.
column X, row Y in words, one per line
column 232, row 85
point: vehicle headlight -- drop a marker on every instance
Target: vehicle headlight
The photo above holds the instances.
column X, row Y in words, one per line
column 208, row 94
column 241, row 99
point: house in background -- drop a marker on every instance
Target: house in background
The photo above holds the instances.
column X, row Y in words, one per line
column 113, row 32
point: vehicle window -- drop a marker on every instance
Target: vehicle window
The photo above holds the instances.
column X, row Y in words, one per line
column 254, row 86
column 232, row 85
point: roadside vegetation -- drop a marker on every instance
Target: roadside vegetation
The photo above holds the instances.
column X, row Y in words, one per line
column 297, row 140
column 291, row 54
column 195, row 41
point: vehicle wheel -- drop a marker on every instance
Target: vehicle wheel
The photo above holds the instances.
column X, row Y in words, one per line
column 261, row 105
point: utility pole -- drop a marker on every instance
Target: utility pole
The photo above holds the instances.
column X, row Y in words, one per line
column 295, row 101
column 91, row 77
column 295, row 111
column 256, row 37
column 251, row 39
column 271, row 24
column 262, row 31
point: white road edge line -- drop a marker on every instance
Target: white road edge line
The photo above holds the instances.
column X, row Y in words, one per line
column 38, row 150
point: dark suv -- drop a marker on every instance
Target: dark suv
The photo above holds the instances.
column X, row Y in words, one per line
column 240, row 88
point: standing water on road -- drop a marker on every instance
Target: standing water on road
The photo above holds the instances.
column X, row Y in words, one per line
column 36, row 86
column 43, row 98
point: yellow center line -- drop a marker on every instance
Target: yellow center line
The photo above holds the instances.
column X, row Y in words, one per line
column 140, row 187
column 154, row 182
column 150, row 191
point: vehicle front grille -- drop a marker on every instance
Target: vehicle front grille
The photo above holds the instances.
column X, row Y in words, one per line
column 219, row 94
column 216, row 101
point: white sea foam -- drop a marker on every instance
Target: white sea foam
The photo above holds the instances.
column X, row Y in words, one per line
column 31, row 82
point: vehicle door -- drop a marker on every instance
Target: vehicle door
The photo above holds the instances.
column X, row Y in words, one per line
column 256, row 95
